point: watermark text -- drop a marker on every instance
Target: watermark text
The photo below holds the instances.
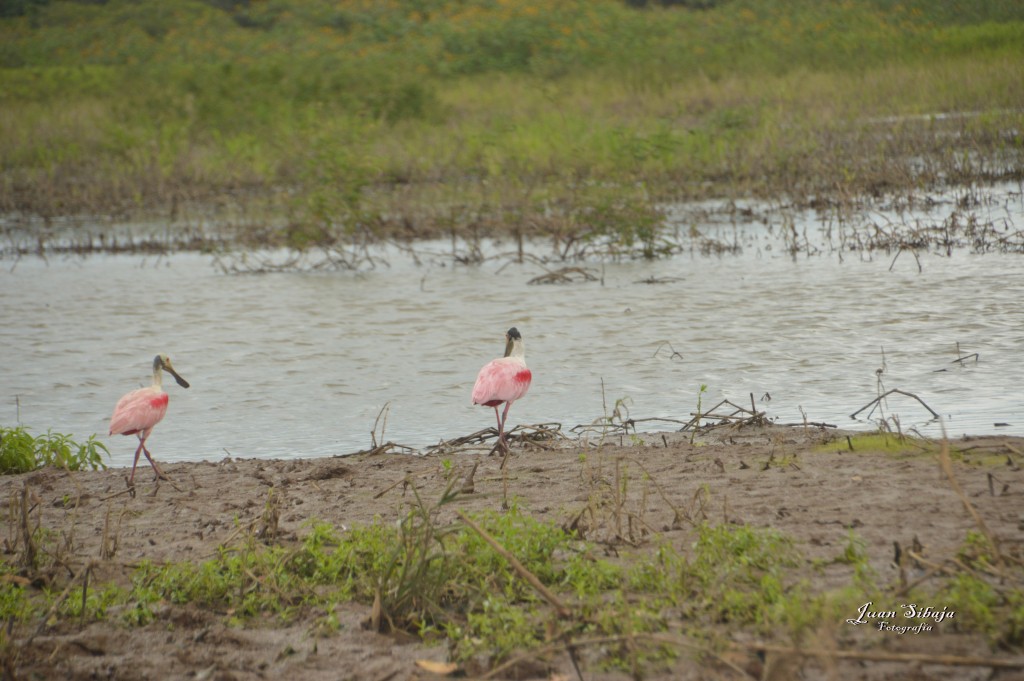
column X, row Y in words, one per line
column 895, row 621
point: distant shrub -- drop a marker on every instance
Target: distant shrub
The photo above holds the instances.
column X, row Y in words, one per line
column 18, row 8
column 689, row 4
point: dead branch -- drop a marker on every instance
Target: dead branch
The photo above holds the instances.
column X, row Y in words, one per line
column 525, row 434
column 386, row 448
column 900, row 392
column 565, row 275
column 674, row 354
column 405, row 480
column 739, row 416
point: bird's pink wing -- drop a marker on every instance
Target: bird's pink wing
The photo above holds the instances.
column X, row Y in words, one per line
column 505, row 379
column 138, row 411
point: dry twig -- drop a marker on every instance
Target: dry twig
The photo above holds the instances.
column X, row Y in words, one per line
column 881, row 397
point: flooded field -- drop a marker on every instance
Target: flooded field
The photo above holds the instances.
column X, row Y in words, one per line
column 301, row 363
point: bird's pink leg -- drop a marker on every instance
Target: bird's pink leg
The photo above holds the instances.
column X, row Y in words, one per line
column 141, row 449
column 137, row 451
column 501, row 429
column 159, row 473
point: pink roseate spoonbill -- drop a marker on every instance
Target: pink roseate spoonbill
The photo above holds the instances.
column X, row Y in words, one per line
column 505, row 379
column 137, row 412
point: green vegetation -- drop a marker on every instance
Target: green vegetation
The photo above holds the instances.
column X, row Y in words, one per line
column 906, row 446
column 20, row 452
column 447, row 580
column 316, row 123
column 881, row 441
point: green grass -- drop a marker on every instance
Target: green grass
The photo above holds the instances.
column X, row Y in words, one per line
column 889, row 443
column 323, row 121
column 21, row 452
column 447, row 580
column 443, row 581
column 894, row 444
column 982, row 599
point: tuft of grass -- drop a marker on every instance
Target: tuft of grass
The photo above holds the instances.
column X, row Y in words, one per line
column 894, row 444
column 737, row 574
column 21, row 452
column 439, row 578
column 880, row 442
column 16, row 605
column 983, row 605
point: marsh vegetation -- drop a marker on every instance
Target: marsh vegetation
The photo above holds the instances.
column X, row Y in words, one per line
column 655, row 559
column 324, row 124
column 325, row 128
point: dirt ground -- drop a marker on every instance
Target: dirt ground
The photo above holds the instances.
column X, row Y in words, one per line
column 766, row 477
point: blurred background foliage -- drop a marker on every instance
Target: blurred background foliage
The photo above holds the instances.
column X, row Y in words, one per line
column 109, row 106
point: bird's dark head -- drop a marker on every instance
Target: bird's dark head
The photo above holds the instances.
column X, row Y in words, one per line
column 513, row 341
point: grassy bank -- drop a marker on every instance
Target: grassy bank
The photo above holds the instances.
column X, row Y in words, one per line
column 306, row 123
column 648, row 560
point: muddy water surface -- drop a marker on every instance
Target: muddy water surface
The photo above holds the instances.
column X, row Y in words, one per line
column 301, row 364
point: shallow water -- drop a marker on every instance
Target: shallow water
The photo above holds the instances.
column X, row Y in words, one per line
column 301, row 364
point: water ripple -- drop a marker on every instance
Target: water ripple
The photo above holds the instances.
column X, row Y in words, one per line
column 301, row 365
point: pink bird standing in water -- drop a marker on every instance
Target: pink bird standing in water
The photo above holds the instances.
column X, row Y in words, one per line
column 505, row 379
column 137, row 412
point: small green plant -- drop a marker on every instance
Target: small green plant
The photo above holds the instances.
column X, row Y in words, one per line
column 984, row 602
column 738, row 572
column 254, row 579
column 96, row 602
column 976, row 550
column 696, row 422
column 497, row 628
column 855, row 554
column 975, row 602
column 20, row 452
column 15, row 605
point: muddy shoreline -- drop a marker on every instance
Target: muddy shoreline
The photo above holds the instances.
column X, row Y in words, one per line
column 804, row 483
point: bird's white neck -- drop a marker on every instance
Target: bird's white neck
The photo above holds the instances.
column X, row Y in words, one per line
column 158, row 376
column 515, row 349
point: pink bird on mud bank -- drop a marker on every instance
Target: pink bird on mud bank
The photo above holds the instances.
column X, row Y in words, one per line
column 137, row 412
column 505, row 379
